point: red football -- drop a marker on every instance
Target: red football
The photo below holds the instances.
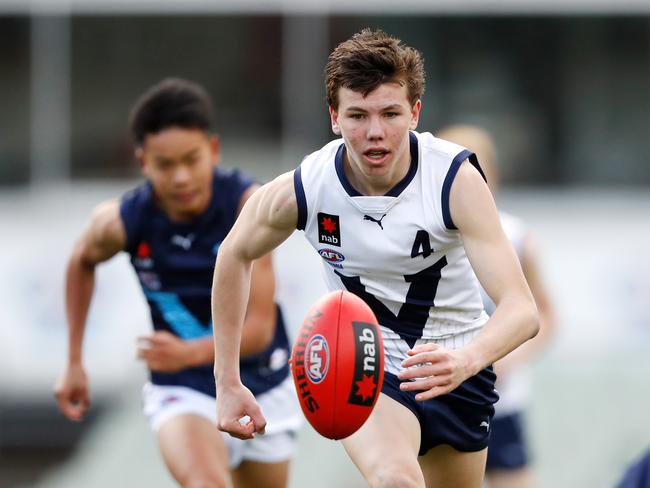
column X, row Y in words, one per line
column 338, row 364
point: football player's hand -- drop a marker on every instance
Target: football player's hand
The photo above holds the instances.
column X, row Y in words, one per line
column 164, row 352
column 238, row 413
column 433, row 370
column 71, row 392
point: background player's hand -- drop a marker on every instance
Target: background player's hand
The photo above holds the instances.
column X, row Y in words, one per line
column 437, row 370
column 164, row 352
column 71, row 392
column 233, row 404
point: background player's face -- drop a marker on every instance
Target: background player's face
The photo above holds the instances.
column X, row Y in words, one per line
column 179, row 163
column 478, row 140
column 375, row 129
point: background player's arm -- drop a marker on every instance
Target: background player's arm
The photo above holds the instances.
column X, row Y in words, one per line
column 497, row 267
column 267, row 219
column 547, row 323
column 103, row 238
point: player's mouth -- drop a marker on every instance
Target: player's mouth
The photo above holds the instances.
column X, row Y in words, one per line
column 186, row 198
column 376, row 156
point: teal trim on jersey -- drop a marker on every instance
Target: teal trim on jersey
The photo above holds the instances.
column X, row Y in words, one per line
column 177, row 315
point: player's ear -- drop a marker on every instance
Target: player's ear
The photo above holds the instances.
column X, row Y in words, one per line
column 334, row 118
column 139, row 156
column 415, row 114
column 215, row 149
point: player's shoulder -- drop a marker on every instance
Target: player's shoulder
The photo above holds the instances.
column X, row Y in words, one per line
column 135, row 208
column 281, row 191
column 106, row 211
column 106, row 225
column 232, row 176
column 431, row 145
column 275, row 202
column 322, row 155
column 136, row 199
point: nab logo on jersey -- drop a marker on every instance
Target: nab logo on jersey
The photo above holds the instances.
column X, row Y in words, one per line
column 329, row 231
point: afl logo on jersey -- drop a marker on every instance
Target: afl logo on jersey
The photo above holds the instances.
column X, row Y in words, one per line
column 317, row 358
column 332, row 257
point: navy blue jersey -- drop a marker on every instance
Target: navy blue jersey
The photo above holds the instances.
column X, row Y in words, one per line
column 174, row 263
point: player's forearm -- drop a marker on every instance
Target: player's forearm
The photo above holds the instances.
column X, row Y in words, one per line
column 514, row 322
column 80, row 283
column 230, row 290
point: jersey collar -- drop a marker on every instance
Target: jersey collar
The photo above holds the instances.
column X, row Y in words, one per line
column 393, row 192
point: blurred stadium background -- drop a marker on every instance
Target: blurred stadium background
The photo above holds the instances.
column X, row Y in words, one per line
column 563, row 86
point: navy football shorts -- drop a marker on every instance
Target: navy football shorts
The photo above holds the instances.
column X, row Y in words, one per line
column 461, row 418
column 507, row 447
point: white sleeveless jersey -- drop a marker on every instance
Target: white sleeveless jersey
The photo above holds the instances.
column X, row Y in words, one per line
column 400, row 252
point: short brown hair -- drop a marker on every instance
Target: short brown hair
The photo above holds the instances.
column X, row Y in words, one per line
column 370, row 58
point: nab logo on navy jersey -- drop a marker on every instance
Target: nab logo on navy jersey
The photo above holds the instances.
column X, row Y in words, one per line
column 329, row 231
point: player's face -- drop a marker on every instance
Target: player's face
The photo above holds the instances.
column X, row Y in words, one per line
column 179, row 163
column 375, row 129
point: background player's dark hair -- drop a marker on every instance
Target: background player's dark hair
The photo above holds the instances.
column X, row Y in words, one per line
column 173, row 102
column 370, row 58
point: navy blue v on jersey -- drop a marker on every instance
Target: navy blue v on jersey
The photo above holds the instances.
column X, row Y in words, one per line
column 174, row 263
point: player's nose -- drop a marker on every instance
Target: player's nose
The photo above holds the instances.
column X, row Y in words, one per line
column 181, row 175
column 375, row 128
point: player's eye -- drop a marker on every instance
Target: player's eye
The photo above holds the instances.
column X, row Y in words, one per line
column 391, row 115
column 357, row 116
column 163, row 164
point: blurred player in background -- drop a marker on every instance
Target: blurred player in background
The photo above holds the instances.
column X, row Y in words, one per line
column 508, row 458
column 408, row 213
column 637, row 474
column 172, row 227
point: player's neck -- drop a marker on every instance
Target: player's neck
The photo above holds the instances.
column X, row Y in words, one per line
column 177, row 215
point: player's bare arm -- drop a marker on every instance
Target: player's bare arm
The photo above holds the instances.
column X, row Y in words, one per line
column 103, row 238
column 260, row 318
column 495, row 263
column 268, row 218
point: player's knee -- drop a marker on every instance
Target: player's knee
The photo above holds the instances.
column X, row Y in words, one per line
column 388, row 477
column 205, row 480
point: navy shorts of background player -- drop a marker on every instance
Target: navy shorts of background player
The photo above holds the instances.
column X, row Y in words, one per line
column 507, row 442
column 174, row 263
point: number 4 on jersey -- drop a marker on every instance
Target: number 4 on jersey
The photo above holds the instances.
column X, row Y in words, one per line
column 414, row 312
